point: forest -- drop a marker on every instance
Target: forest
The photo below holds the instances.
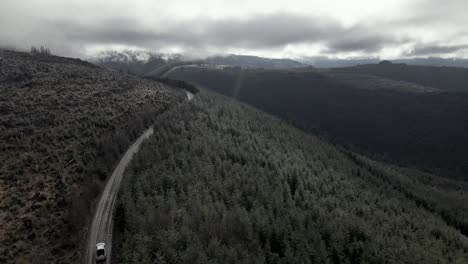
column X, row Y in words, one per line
column 397, row 122
column 222, row 182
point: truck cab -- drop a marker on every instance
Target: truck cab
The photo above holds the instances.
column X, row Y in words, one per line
column 100, row 252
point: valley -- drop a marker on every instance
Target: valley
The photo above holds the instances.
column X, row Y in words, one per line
column 392, row 120
column 228, row 183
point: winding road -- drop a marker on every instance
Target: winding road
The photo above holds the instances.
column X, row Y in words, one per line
column 100, row 229
column 166, row 74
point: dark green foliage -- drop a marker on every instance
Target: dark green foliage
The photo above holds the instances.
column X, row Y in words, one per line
column 444, row 197
column 40, row 51
column 220, row 182
column 176, row 83
column 427, row 130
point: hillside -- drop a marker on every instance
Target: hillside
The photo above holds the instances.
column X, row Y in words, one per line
column 245, row 61
column 63, row 125
column 328, row 62
column 443, row 78
column 226, row 183
column 393, row 120
column 373, row 82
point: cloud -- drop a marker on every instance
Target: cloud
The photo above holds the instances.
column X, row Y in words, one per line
column 424, row 50
column 266, row 31
column 255, row 26
column 270, row 31
column 273, row 31
column 353, row 42
column 107, row 31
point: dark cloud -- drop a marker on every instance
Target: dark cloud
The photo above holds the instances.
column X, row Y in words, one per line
column 66, row 34
column 271, row 31
column 363, row 44
column 261, row 32
column 108, row 31
column 424, row 50
column 363, row 38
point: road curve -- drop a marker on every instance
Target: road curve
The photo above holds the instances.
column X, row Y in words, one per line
column 189, row 95
column 101, row 226
column 100, row 229
column 166, row 74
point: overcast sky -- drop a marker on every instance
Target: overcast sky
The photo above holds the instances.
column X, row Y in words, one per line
column 273, row 28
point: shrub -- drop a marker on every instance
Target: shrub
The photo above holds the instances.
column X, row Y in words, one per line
column 40, row 51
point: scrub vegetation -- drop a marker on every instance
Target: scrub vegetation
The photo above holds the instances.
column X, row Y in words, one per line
column 63, row 126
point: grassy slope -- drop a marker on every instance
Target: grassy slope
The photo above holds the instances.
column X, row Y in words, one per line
column 221, row 182
column 63, row 125
column 372, row 82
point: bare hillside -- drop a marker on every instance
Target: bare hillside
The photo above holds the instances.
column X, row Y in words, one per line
column 63, row 124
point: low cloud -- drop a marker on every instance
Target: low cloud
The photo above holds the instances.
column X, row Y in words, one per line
column 274, row 31
column 268, row 31
column 353, row 43
column 424, row 50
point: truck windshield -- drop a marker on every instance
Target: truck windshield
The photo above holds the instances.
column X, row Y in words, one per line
column 100, row 252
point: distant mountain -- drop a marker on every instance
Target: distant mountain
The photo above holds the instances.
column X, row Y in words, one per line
column 324, row 62
column 134, row 62
column 433, row 61
column 254, row 62
column 146, row 63
column 443, row 78
column 399, row 121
